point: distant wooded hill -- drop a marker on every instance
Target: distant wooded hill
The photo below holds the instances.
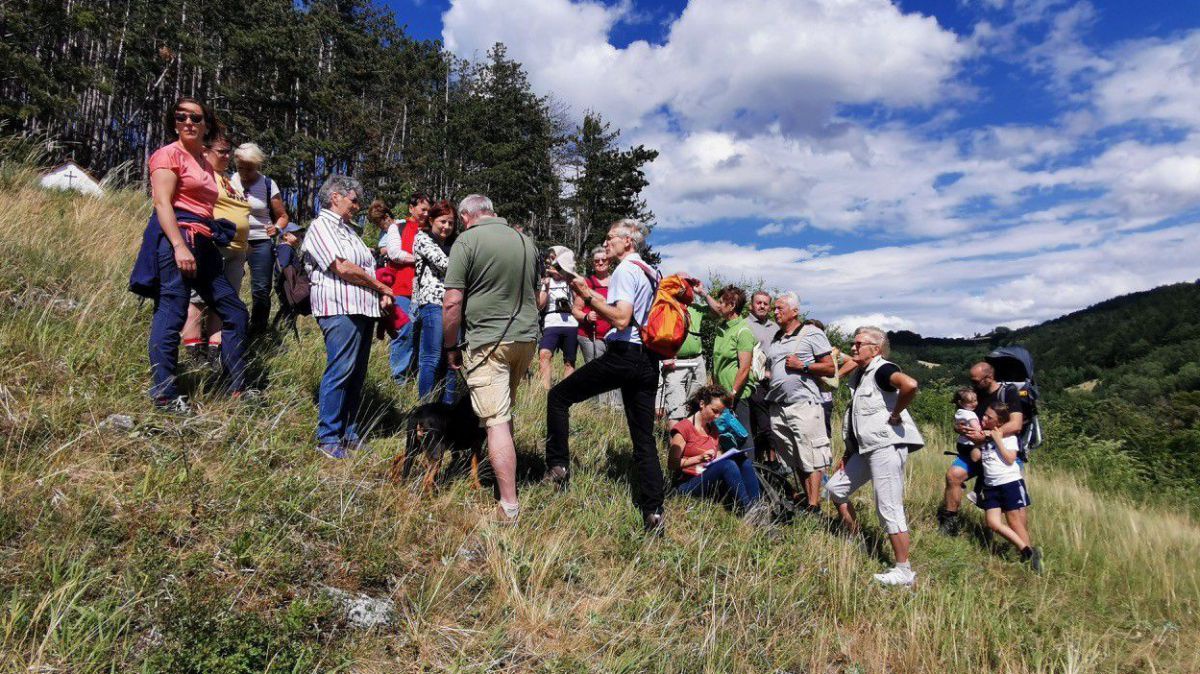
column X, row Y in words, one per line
column 1120, row 380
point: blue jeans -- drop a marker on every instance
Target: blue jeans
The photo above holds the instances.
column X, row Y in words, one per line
column 431, row 357
column 400, row 351
column 170, row 312
column 347, row 347
column 734, row 476
column 261, row 258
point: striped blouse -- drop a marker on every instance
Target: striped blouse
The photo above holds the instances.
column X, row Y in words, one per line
column 330, row 238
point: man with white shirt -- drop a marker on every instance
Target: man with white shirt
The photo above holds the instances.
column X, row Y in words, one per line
column 627, row 365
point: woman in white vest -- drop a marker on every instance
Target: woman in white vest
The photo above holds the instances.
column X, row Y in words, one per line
column 879, row 434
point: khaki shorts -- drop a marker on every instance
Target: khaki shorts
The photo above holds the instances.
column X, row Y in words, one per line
column 800, row 437
column 679, row 384
column 493, row 384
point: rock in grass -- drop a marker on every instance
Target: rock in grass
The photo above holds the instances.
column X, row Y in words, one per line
column 361, row 610
column 118, row 422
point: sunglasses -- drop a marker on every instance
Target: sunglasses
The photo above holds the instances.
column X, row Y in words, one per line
column 195, row 117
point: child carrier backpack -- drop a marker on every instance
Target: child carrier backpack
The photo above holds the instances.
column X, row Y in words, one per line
column 667, row 324
column 1014, row 368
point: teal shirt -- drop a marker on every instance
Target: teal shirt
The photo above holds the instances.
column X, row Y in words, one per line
column 733, row 337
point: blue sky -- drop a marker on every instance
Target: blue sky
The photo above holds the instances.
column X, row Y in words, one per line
column 939, row 166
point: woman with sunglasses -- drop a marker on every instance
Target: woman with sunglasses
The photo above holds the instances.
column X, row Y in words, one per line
column 202, row 331
column 879, row 434
column 178, row 254
column 593, row 327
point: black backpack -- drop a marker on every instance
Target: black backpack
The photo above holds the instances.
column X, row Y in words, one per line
column 1014, row 371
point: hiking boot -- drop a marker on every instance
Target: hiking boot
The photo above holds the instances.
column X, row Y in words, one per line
column 177, row 406
column 559, row 477
column 504, row 518
column 333, row 450
column 247, row 395
column 653, row 524
column 1033, row 557
column 948, row 522
column 897, row 576
column 197, row 355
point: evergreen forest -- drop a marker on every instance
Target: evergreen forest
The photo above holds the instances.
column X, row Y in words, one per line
column 323, row 86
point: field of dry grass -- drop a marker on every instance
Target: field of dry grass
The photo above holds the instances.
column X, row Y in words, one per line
column 210, row 544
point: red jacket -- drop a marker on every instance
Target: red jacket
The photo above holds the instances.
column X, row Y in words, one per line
column 393, row 318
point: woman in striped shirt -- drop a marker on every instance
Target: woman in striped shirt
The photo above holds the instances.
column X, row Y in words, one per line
column 346, row 300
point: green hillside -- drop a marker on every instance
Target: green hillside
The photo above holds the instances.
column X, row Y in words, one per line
column 225, row 543
column 1121, row 382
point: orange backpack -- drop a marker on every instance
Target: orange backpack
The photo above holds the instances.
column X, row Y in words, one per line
column 668, row 321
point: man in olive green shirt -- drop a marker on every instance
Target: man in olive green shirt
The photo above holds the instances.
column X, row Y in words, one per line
column 493, row 270
column 684, row 373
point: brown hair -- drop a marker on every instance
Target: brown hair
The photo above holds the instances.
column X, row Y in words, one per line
column 705, row 395
column 436, row 211
column 211, row 125
column 378, row 212
column 964, row 394
column 735, row 295
column 1003, row 414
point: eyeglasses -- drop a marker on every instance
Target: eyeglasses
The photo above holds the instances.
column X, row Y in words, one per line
column 224, row 152
column 195, row 117
column 862, row 344
column 610, row 237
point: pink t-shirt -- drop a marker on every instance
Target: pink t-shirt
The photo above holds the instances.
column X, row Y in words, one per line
column 196, row 190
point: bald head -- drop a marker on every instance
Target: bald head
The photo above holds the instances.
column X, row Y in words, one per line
column 983, row 377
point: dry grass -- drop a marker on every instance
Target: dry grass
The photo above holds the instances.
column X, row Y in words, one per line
column 204, row 545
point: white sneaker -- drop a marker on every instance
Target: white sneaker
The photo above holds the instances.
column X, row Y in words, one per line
column 897, row 576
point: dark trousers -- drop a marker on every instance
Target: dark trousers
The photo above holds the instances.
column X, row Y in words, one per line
column 760, row 418
column 261, row 258
column 744, row 411
column 170, row 312
column 634, row 371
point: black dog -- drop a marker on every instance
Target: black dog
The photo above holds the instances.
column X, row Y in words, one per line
column 435, row 428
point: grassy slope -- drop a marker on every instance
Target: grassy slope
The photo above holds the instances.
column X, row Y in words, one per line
column 202, row 545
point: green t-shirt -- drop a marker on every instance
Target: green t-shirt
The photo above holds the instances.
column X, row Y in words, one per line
column 733, row 337
column 486, row 263
column 692, row 347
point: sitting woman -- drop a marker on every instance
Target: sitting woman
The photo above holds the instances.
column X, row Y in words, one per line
column 694, row 445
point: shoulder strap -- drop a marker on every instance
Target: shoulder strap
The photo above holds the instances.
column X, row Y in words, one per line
column 649, row 272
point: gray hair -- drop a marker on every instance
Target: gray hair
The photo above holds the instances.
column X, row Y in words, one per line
column 877, row 334
column 788, row 296
column 635, row 230
column 250, row 153
column 343, row 185
column 599, row 250
column 475, row 205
